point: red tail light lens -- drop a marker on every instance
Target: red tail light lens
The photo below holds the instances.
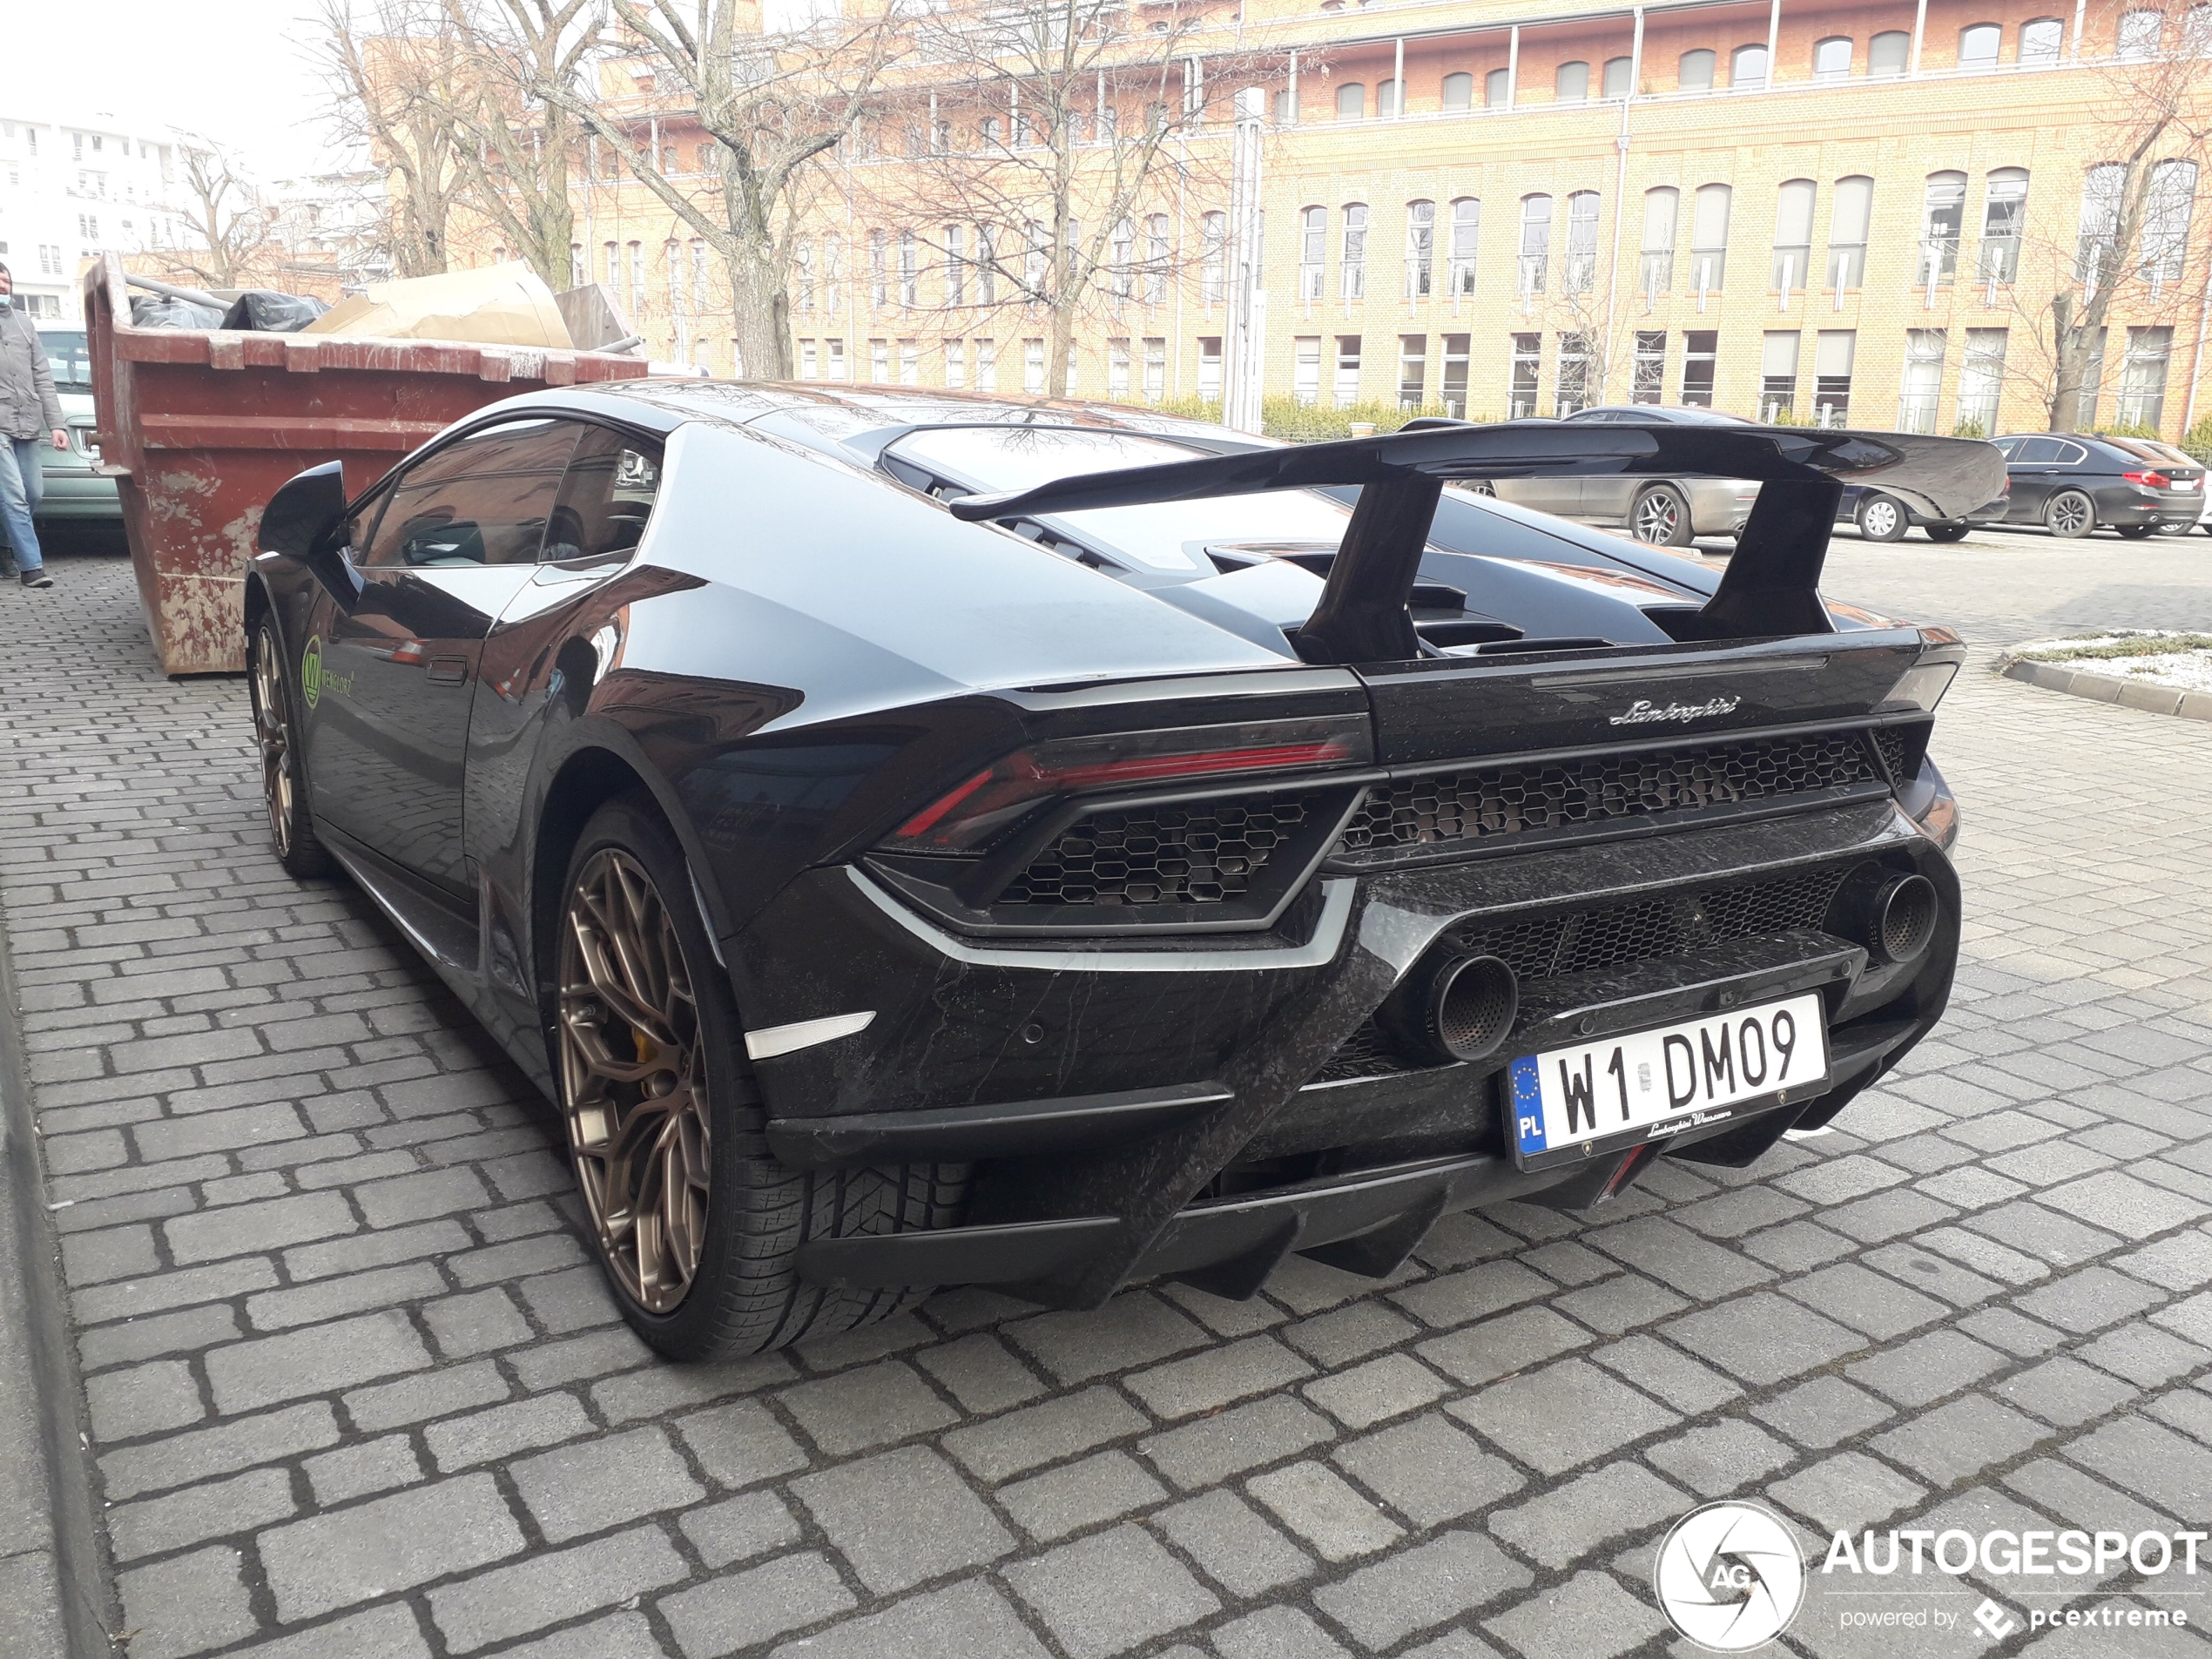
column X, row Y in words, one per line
column 2149, row 480
column 971, row 812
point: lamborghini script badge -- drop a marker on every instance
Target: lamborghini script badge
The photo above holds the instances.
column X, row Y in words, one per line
column 1647, row 713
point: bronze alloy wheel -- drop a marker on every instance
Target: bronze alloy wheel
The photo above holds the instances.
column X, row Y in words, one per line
column 272, row 735
column 633, row 1082
column 284, row 779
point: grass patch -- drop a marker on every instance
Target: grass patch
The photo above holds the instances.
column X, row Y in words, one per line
column 2126, row 645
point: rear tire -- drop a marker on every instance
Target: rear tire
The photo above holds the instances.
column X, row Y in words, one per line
column 1947, row 532
column 1881, row 518
column 2070, row 514
column 284, row 769
column 698, row 1227
column 1661, row 517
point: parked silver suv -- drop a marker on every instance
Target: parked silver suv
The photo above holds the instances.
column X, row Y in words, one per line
column 1668, row 512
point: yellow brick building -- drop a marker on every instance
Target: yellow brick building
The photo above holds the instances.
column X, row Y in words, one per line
column 1834, row 213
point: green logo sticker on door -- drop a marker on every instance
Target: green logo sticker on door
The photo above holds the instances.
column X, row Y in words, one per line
column 311, row 670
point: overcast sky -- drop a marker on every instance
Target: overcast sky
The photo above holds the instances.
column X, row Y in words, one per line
column 236, row 70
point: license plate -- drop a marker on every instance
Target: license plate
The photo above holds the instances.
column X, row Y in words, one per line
column 1645, row 1084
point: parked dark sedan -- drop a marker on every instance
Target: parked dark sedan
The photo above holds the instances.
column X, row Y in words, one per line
column 1880, row 516
column 922, row 839
column 2073, row 483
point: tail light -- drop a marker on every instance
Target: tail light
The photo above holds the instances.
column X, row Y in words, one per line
column 969, row 814
column 2149, row 480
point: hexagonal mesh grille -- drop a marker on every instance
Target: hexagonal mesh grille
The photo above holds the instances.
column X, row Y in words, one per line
column 1550, row 946
column 1511, row 799
column 1902, row 747
column 1199, row 853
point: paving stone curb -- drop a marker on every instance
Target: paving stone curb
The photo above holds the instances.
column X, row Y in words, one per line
column 2106, row 688
column 57, row 1595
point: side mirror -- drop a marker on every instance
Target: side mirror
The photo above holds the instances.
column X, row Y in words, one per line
column 302, row 522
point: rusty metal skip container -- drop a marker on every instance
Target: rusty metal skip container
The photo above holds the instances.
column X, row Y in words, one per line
column 199, row 428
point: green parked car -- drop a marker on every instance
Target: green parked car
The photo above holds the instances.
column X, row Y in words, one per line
column 74, row 492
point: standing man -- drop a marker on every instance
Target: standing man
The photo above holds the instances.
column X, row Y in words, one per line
column 30, row 414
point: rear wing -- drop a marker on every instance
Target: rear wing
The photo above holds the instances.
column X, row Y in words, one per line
column 1771, row 584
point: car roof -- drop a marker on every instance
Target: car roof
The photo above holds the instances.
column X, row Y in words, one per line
column 836, row 411
column 1679, row 414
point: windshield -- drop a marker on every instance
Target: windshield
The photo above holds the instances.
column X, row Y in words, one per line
column 72, row 363
column 1157, row 536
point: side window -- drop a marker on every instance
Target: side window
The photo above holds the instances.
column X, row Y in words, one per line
column 2006, row 445
column 482, row 501
column 2037, row 452
column 2072, row 454
column 606, row 498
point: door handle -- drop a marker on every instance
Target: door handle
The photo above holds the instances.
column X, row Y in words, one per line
column 449, row 670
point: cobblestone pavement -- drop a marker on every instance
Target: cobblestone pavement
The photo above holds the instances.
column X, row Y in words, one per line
column 353, row 1384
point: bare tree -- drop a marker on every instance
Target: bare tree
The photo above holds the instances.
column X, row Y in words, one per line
column 394, row 68
column 1067, row 138
column 2130, row 254
column 229, row 223
column 770, row 105
column 515, row 139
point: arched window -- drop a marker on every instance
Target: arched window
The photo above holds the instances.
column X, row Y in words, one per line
column 1536, row 245
column 991, row 129
column 1792, row 235
column 1312, row 251
column 2040, row 40
column 1941, row 217
column 1747, row 66
column 1620, row 74
column 1466, row 230
column 1459, row 91
column 1352, row 284
column 2102, row 190
column 1697, row 73
column 1572, row 84
column 1121, row 259
column 1420, row 249
column 2166, row 219
column 1708, row 237
column 2140, row 32
column 1662, row 211
column 1582, row 241
column 1213, row 248
column 1848, row 218
column 1497, row 89
column 1888, row 53
column 2003, row 217
column 1386, row 98
column 1978, row 45
column 1351, row 101
column 1831, row 58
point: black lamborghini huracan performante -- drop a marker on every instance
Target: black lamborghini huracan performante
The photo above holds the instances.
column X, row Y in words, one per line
column 921, row 840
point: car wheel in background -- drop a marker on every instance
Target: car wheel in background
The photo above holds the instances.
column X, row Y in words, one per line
column 697, row 1226
column 2135, row 532
column 1660, row 516
column 1947, row 532
column 1483, row 487
column 1881, row 518
column 284, row 774
column 2070, row 514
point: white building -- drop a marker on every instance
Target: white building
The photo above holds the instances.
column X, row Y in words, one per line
column 75, row 186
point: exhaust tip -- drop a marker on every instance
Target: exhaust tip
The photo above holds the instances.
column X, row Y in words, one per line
column 1893, row 913
column 1461, row 1009
column 1903, row 918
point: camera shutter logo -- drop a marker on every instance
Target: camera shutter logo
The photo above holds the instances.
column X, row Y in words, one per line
column 311, row 670
column 1729, row 1577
